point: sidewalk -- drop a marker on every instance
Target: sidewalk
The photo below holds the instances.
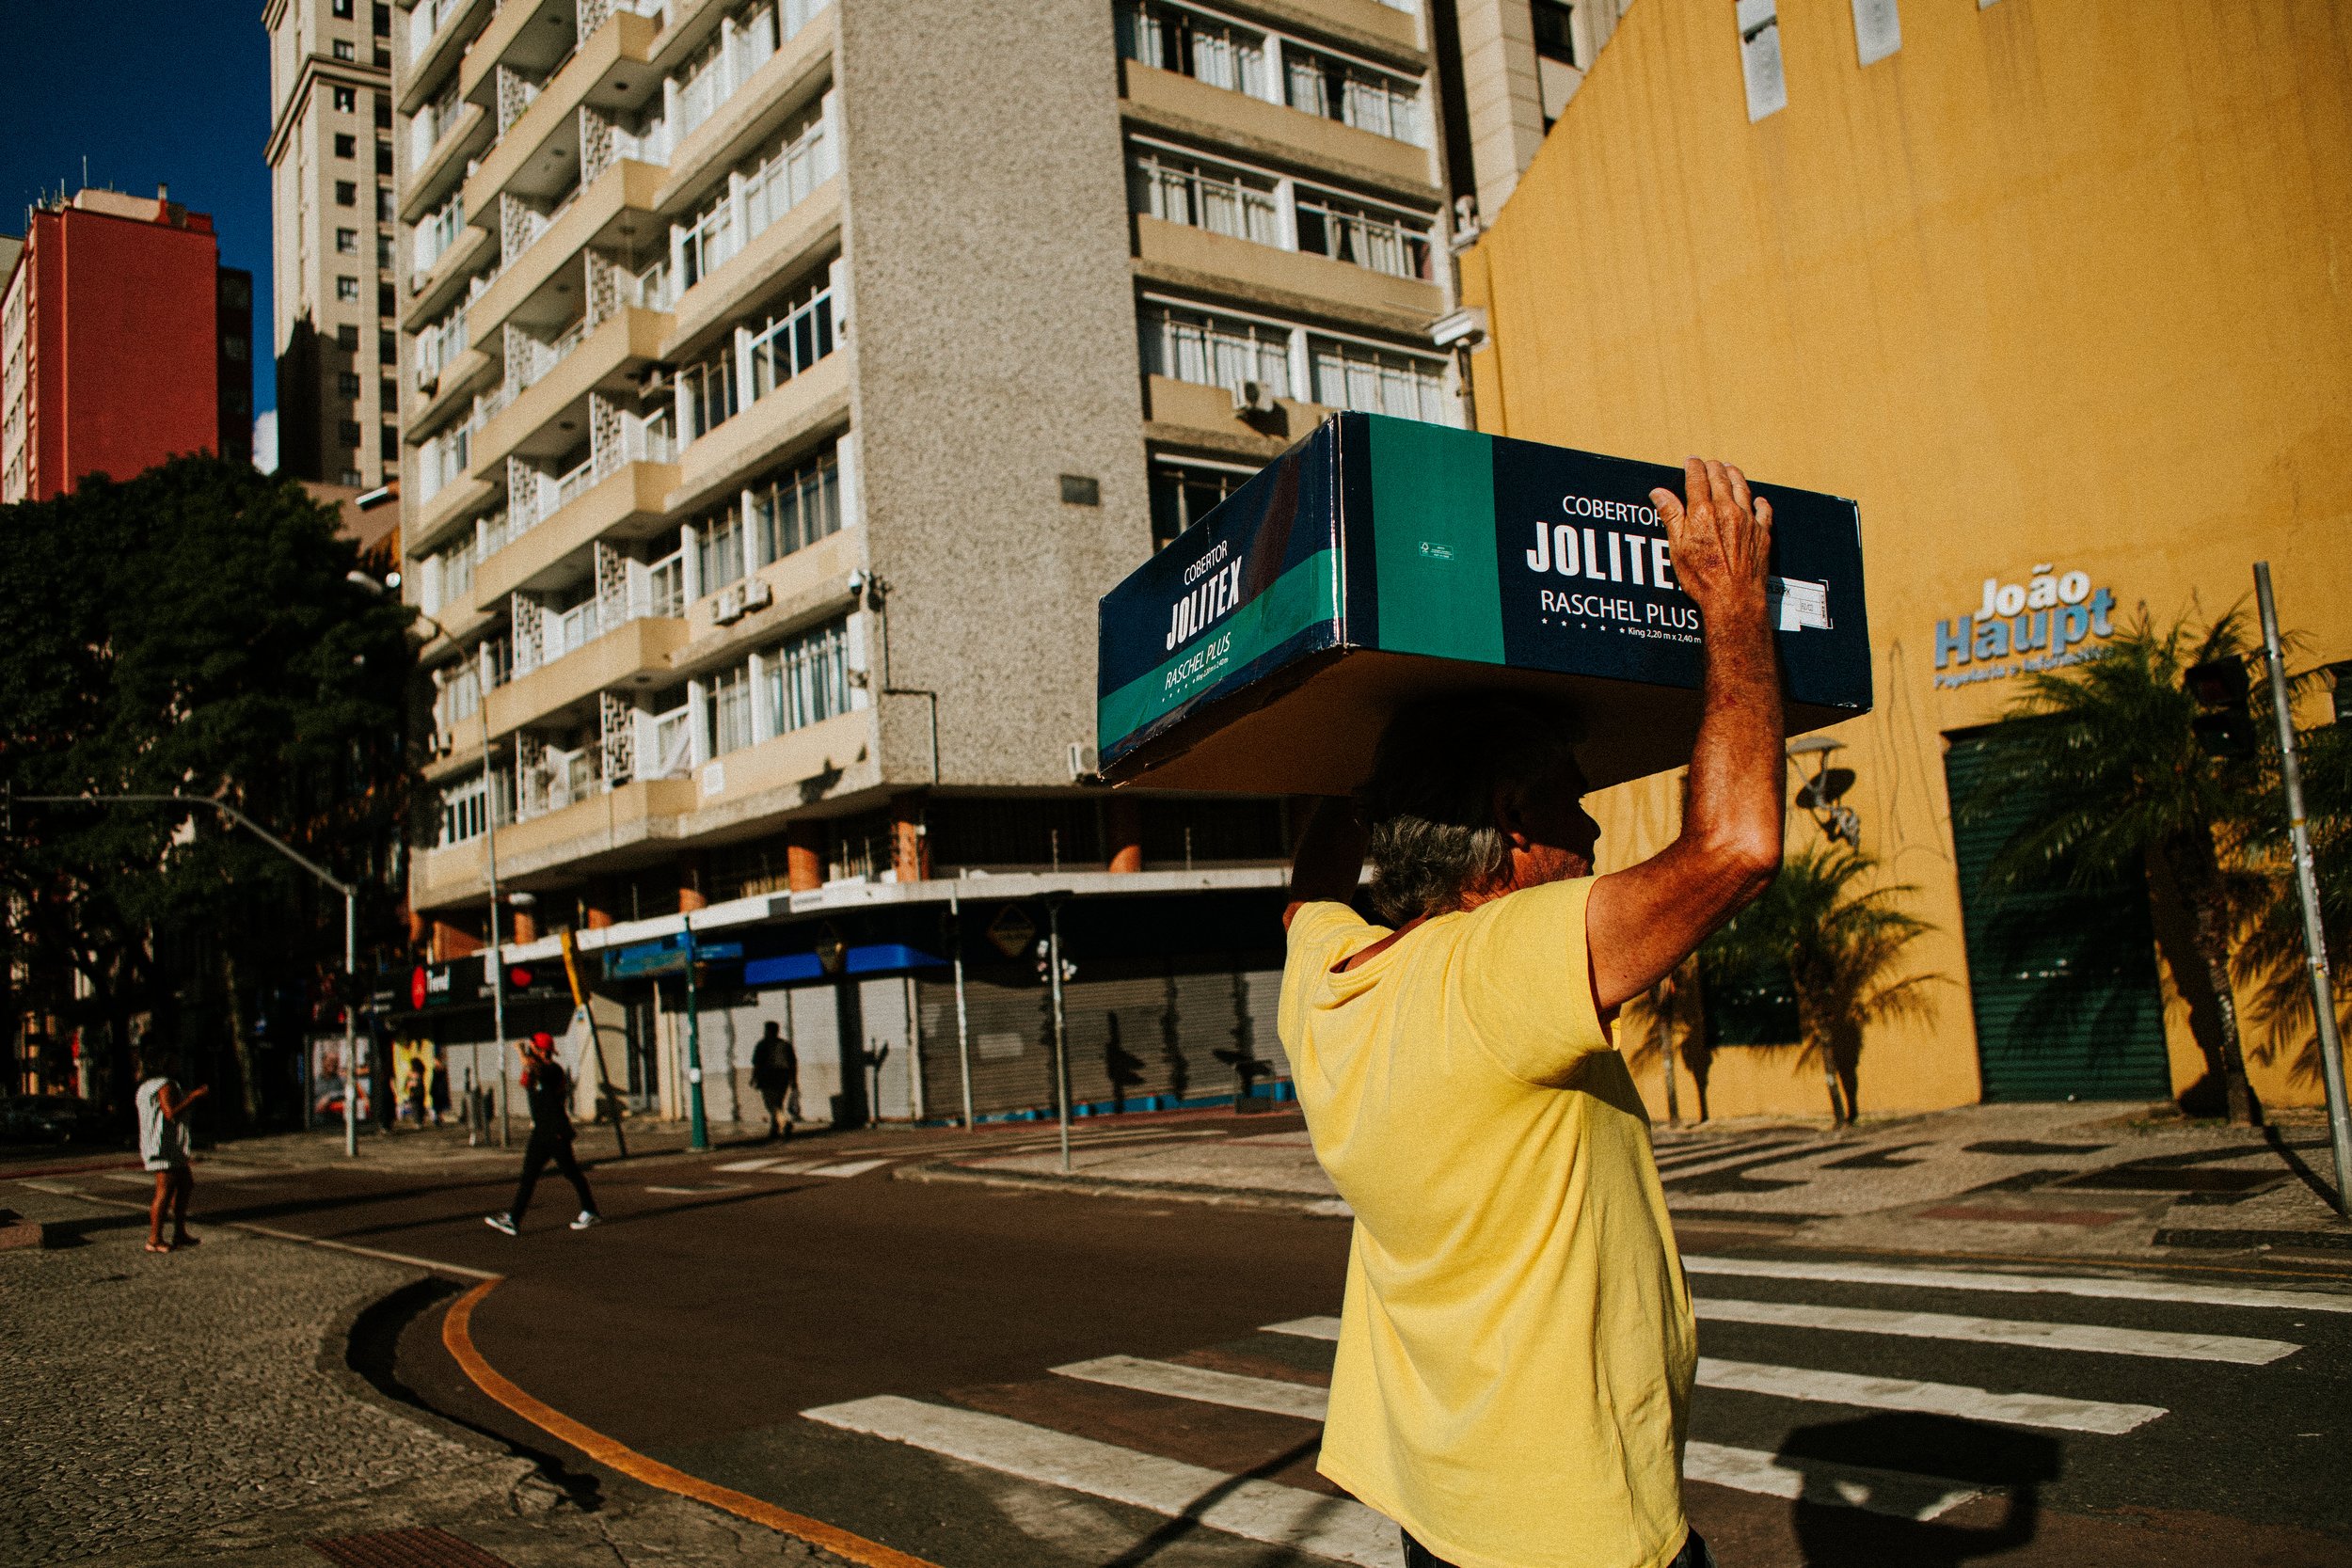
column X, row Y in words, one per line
column 2102, row 1179
column 200, row 1407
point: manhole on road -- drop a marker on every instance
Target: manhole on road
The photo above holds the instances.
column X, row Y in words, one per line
column 419, row 1547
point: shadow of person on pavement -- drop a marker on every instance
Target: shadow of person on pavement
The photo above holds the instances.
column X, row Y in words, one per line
column 1940, row 1464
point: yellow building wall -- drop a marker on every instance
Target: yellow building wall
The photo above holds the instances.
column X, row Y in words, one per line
column 2062, row 282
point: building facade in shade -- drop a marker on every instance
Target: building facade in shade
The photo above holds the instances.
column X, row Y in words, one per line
column 782, row 382
column 332, row 235
column 123, row 341
column 1985, row 269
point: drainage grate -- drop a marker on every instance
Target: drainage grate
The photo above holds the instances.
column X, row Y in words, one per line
column 422, row 1547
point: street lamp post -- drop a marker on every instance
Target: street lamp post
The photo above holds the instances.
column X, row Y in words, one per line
column 351, row 925
column 489, row 847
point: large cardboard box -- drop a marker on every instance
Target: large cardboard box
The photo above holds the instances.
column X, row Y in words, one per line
column 1381, row 559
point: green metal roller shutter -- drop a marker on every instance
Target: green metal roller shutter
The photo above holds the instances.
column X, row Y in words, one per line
column 2065, row 978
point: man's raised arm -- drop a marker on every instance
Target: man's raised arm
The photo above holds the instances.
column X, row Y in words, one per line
column 1642, row 921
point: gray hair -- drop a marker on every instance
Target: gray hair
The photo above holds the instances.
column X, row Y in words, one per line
column 1429, row 806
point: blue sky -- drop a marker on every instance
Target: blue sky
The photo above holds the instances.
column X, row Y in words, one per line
column 151, row 91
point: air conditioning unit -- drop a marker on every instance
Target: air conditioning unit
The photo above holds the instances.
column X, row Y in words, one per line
column 1254, row 397
column 1083, row 763
column 757, row 596
column 429, row 380
column 729, row 608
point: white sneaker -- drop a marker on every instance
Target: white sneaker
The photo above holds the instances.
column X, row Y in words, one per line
column 501, row 1223
column 587, row 1218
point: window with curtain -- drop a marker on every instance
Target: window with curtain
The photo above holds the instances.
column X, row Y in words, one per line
column 1204, row 195
column 731, row 709
column 808, row 677
column 1376, row 381
column 1352, row 94
column 794, row 507
column 1215, row 350
column 720, row 550
column 1374, row 237
column 1169, row 38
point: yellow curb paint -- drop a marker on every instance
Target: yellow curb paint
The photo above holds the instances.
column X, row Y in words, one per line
column 457, row 1336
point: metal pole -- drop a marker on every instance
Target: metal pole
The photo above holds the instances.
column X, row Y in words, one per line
column 2307, row 887
column 698, row 1126
column 1062, row 1055
column 351, row 1033
column 964, row 1018
column 497, row 955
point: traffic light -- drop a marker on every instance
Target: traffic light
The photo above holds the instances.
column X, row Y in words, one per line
column 2223, row 726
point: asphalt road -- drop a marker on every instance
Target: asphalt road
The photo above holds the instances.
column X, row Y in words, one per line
column 1016, row 1380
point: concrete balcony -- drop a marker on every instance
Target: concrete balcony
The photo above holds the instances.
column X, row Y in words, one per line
column 1295, row 282
column 427, row 71
column 1181, row 414
column 429, row 182
column 782, row 249
column 580, row 834
column 530, row 36
column 809, row 586
column 604, row 361
column 779, row 425
column 612, row 211
column 1164, row 100
column 784, row 84
column 434, row 522
column 540, row 152
column 452, row 394
column 429, row 300
column 631, row 654
column 626, row 501
column 758, row 780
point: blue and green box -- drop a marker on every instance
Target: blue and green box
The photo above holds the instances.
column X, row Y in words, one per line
column 1379, row 561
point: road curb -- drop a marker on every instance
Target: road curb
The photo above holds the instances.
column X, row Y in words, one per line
column 2219, row 1239
column 1111, row 1186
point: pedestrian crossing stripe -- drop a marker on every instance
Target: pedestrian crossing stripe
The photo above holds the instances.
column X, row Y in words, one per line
column 2096, row 1339
column 1895, row 1493
column 2022, row 1284
column 1933, row 1399
column 1260, row 1511
column 1203, row 1385
column 805, row 1167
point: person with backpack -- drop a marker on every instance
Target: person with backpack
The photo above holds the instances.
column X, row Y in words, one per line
column 548, row 1089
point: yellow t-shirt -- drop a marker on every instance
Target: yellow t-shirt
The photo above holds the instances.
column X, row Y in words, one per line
column 1516, row 1348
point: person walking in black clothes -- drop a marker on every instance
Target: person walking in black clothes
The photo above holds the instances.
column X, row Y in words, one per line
column 776, row 1074
column 548, row 1088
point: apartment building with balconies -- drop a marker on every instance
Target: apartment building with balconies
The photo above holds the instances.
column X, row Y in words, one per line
column 783, row 383
column 331, row 196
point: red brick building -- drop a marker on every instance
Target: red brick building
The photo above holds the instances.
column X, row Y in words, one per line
column 123, row 341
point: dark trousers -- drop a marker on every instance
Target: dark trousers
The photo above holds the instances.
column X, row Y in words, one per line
column 543, row 1147
column 1693, row 1555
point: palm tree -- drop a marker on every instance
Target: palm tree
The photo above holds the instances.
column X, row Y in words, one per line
column 1841, row 942
column 2119, row 785
column 2270, row 960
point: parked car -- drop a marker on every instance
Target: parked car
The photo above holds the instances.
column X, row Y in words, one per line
column 56, row 1119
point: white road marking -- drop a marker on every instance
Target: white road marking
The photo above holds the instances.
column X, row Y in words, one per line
column 847, row 1168
column 705, row 1189
column 2022, row 1284
column 2096, row 1337
column 1891, row 1492
column 1306, row 1328
column 749, row 1165
column 1936, row 1398
column 1176, row 1381
column 1259, row 1511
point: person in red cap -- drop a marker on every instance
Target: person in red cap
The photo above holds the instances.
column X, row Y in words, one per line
column 548, row 1088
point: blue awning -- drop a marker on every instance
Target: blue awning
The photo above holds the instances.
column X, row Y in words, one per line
column 666, row 956
column 881, row 957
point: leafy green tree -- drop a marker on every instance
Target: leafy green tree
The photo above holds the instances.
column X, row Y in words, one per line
column 1842, row 941
column 193, row 631
column 2108, row 755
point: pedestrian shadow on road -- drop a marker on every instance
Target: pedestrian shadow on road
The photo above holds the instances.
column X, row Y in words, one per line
column 2010, row 1467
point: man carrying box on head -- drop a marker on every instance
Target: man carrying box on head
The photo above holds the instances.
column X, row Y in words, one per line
column 1516, row 1348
